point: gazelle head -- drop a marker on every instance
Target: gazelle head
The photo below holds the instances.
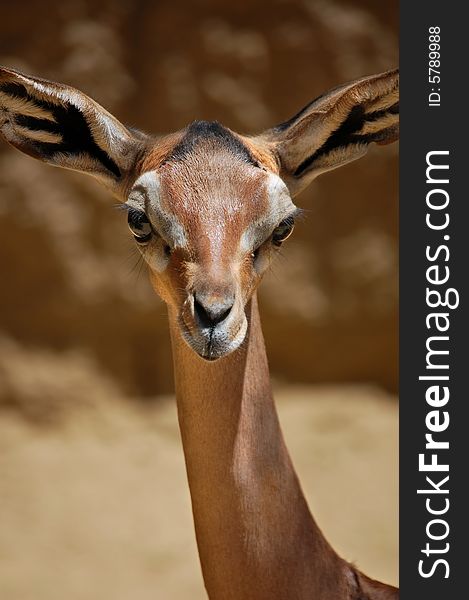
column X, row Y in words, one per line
column 208, row 208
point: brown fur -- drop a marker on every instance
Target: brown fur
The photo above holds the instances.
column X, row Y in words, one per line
column 256, row 537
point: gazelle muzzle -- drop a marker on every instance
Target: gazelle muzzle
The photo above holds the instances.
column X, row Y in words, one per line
column 213, row 326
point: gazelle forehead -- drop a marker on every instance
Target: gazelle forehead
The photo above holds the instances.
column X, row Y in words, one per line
column 213, row 185
column 210, row 190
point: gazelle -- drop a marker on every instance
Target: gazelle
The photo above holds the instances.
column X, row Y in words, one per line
column 208, row 209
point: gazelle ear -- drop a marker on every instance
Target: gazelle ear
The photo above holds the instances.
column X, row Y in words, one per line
column 63, row 127
column 336, row 128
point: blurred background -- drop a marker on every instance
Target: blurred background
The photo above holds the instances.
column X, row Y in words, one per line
column 93, row 498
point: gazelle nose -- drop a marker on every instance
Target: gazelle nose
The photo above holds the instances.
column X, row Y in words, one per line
column 209, row 311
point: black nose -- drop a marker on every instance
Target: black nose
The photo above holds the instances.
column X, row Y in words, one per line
column 209, row 313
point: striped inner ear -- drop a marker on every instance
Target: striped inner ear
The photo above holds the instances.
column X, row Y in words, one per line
column 50, row 128
column 361, row 126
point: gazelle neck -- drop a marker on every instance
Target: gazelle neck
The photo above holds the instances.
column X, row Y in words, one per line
column 255, row 534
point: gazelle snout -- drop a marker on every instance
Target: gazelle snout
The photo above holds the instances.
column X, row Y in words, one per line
column 212, row 309
column 213, row 321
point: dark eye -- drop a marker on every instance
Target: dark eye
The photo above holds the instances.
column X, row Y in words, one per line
column 283, row 231
column 139, row 225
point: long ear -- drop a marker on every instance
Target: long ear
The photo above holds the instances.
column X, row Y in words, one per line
column 336, row 128
column 63, row 127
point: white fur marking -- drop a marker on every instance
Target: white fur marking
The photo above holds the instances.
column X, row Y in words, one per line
column 166, row 222
column 280, row 205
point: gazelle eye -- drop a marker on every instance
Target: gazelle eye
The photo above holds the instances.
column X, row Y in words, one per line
column 283, row 231
column 139, row 225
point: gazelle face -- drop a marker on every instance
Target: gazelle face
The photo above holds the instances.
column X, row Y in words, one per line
column 208, row 208
column 208, row 221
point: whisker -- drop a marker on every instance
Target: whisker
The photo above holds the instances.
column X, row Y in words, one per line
column 137, row 265
column 140, row 264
